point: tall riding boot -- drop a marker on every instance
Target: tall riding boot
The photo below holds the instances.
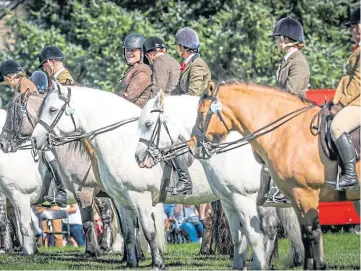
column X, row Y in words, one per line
column 348, row 156
column 60, row 197
column 184, row 184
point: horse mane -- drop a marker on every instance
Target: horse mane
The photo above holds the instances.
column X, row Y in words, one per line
column 237, row 85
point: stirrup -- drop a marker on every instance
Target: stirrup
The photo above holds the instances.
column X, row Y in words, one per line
column 336, row 186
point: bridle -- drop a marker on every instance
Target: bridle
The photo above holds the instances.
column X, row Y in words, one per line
column 153, row 150
column 50, row 128
column 214, row 108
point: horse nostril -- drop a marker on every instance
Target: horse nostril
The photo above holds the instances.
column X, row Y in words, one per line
column 1, row 146
column 33, row 141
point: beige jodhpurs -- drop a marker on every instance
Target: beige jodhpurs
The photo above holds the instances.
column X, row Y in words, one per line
column 345, row 121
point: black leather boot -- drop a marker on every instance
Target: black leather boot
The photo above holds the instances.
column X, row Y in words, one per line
column 184, row 184
column 348, row 156
column 60, row 197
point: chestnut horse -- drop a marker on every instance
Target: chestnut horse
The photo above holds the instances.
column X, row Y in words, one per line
column 292, row 153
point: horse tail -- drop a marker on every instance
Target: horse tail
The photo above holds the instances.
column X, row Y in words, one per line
column 291, row 227
column 159, row 222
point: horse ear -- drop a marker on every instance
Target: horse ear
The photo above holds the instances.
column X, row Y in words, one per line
column 159, row 100
column 161, row 97
column 211, row 88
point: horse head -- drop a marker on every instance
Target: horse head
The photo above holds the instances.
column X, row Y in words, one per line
column 209, row 129
column 52, row 119
column 19, row 122
column 157, row 131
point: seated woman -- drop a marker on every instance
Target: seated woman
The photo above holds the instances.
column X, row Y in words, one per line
column 188, row 218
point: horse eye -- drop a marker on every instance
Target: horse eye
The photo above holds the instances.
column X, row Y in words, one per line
column 148, row 124
column 53, row 109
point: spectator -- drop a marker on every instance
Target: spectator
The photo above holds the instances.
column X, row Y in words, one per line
column 188, row 218
column 75, row 224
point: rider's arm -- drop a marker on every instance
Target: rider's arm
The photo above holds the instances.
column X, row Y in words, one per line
column 197, row 75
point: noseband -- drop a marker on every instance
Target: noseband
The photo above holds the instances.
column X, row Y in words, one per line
column 200, row 133
column 50, row 128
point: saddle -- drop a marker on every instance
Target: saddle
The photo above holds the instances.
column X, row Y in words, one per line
column 325, row 118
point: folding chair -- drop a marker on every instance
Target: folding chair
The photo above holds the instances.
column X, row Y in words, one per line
column 52, row 215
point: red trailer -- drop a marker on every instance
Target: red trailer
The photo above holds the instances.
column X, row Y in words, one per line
column 334, row 214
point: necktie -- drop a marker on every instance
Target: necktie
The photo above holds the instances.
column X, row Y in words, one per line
column 182, row 68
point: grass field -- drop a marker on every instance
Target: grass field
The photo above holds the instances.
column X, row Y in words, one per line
column 342, row 251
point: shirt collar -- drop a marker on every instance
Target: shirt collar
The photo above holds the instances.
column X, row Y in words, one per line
column 290, row 53
column 188, row 58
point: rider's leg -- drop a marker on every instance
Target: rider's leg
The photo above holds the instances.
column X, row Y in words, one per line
column 344, row 122
column 60, row 197
column 184, row 184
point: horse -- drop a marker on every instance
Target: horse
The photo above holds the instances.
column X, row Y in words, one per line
column 75, row 169
column 289, row 147
column 235, row 185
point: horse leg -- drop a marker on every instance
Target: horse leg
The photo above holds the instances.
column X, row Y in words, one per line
column 4, row 232
column 247, row 211
column 142, row 205
column 127, row 218
column 21, row 204
column 291, row 226
column 240, row 244
column 85, row 202
column 311, row 237
column 269, row 227
column 107, row 216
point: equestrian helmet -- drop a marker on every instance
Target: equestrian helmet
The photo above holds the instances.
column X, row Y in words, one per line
column 355, row 17
column 133, row 41
column 9, row 67
column 290, row 28
column 40, row 80
column 188, row 38
column 152, row 44
column 50, row 53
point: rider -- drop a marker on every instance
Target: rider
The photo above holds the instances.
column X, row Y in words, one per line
column 293, row 76
column 135, row 84
column 15, row 77
column 347, row 97
column 194, row 79
column 166, row 69
column 51, row 61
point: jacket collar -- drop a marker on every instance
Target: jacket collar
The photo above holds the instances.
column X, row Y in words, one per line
column 194, row 57
column 292, row 56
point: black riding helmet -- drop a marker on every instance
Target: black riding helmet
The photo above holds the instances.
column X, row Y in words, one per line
column 355, row 17
column 290, row 28
column 9, row 67
column 50, row 53
column 152, row 44
column 134, row 41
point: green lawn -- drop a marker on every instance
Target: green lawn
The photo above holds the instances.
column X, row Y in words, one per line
column 342, row 251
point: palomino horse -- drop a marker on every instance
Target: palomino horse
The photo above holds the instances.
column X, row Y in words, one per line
column 293, row 154
column 75, row 168
column 233, row 177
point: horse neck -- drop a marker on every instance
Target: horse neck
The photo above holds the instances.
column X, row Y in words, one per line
column 100, row 109
column 182, row 110
column 253, row 108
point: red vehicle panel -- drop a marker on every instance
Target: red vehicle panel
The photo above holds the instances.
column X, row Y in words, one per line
column 333, row 213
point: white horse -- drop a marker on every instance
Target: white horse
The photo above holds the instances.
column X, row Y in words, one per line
column 85, row 109
column 21, row 183
column 236, row 186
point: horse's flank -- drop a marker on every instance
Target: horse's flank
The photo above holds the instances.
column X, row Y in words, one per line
column 292, row 152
